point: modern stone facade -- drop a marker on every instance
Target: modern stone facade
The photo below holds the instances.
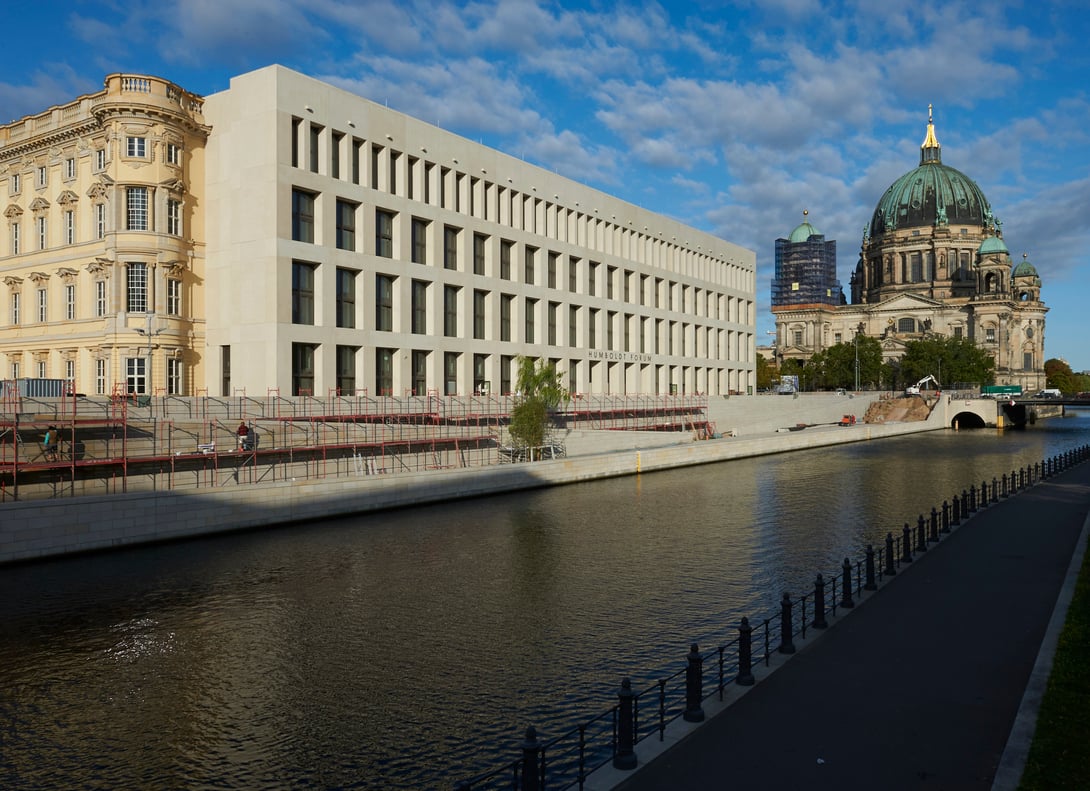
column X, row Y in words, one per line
column 287, row 237
column 933, row 262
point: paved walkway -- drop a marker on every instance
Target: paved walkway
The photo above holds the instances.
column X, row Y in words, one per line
column 920, row 685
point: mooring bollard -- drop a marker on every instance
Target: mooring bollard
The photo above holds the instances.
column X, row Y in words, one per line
column 972, row 498
column 921, row 535
column 870, row 584
column 787, row 646
column 906, row 544
column 694, row 686
column 1022, row 478
column 531, row 767
column 946, row 516
column 890, row 570
column 745, row 654
column 625, row 756
column 964, row 504
column 819, row 604
column 983, row 494
column 846, row 586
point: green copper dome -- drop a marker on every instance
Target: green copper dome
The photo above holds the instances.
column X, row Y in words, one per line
column 1024, row 269
column 803, row 231
column 993, row 244
column 932, row 194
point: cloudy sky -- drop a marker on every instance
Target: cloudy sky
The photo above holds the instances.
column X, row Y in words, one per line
column 732, row 117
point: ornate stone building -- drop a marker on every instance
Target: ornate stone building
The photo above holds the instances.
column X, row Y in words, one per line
column 100, row 260
column 933, row 262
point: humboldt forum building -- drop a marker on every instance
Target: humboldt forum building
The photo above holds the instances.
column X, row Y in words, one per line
column 287, row 236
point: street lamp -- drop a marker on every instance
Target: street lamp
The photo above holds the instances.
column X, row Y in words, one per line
column 150, row 334
column 858, row 330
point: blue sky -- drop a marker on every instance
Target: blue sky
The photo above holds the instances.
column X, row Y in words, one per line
column 732, row 117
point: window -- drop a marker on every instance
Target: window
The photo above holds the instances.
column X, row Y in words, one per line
column 225, row 369
column 592, row 328
column 302, row 293
column 797, row 334
column 529, row 265
column 296, row 127
column 346, row 298
column 15, row 307
column 136, row 290
column 1027, row 361
column 420, row 307
column 15, row 370
column 302, row 216
column 69, row 302
column 100, row 220
column 906, row 325
column 450, row 248
column 480, row 242
column 302, row 368
column 611, row 319
column 100, row 297
column 551, row 322
column 175, row 382
column 42, row 369
column 70, row 168
column 39, row 222
column 43, row 176
column 15, row 238
column 136, row 203
column 315, row 140
column 958, row 332
column 611, row 275
column 335, row 154
column 505, row 374
column 384, row 303
column 480, row 362
column 100, row 377
column 420, row 241
column 551, row 273
column 174, row 154
column 989, row 334
column 136, row 147
column 346, row 370
column 573, row 325
column 384, row 372
column 69, row 226
column 450, row 311
column 174, row 217
column 505, row 259
column 384, row 233
column 136, row 379
column 838, row 337
column 592, row 276
column 531, row 307
column 505, row 316
column 346, row 225
column 357, row 153
column 480, row 298
column 450, row 373
column 573, row 275
column 420, row 372
column 100, row 159
column 16, row 184
column 174, row 297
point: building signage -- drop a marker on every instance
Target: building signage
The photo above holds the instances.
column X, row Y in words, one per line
column 623, row 357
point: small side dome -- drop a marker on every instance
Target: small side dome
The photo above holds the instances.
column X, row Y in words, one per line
column 991, row 246
column 803, row 231
column 1024, row 268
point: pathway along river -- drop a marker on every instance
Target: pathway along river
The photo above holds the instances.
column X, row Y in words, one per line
column 409, row 649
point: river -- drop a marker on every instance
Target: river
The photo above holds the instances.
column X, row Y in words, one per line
column 409, row 649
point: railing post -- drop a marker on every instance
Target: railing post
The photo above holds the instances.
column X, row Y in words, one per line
column 906, row 545
column 972, row 498
column 694, row 679
column 956, row 518
column 983, row 494
column 890, row 570
column 787, row 645
column 995, row 489
column 933, row 533
column 870, row 585
column 531, row 772
column 946, row 516
column 1021, row 477
column 846, row 600
column 819, row 603
column 624, row 757
column 745, row 655
column 921, row 535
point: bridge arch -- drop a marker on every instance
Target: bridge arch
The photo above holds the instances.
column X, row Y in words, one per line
column 967, row 419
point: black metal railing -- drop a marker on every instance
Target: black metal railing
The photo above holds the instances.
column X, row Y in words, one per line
column 565, row 761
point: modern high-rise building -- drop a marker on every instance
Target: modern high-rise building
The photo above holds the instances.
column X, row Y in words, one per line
column 806, row 269
column 933, row 263
column 286, row 236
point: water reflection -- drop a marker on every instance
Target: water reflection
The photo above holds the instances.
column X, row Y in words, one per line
column 398, row 650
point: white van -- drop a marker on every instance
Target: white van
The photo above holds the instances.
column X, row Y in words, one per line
column 1049, row 392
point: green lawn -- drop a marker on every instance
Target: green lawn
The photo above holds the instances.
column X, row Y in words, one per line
column 1059, row 757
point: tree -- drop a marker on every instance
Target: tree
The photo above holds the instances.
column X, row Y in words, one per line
column 835, row 366
column 538, row 393
column 765, row 372
column 950, row 360
column 1058, row 374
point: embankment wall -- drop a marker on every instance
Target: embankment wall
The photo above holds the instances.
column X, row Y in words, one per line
column 40, row 529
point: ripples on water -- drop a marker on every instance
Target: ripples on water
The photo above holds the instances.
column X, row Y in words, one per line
column 401, row 650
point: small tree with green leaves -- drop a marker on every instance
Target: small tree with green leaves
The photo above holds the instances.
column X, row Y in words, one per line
column 538, row 393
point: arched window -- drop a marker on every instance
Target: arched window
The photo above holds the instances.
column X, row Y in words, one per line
column 906, row 325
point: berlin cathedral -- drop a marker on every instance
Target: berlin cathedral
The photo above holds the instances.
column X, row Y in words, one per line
column 933, row 263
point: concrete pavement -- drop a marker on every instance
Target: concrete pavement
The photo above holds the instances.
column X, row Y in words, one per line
column 931, row 682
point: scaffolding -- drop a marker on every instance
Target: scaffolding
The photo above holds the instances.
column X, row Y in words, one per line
column 126, row 443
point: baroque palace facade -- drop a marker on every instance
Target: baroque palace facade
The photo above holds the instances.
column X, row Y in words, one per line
column 933, row 263
column 287, row 236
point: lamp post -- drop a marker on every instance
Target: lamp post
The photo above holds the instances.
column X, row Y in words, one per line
column 858, row 330
column 151, row 334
